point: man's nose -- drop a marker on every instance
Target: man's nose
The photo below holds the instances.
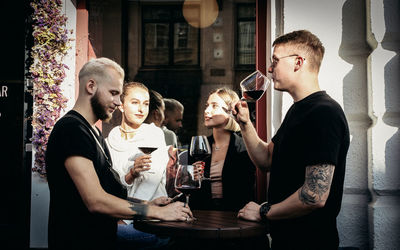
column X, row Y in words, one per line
column 270, row 69
column 117, row 101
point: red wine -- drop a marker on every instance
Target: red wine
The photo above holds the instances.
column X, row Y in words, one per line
column 253, row 95
column 200, row 157
column 147, row 150
column 187, row 190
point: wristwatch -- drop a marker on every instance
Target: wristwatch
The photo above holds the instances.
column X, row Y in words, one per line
column 264, row 208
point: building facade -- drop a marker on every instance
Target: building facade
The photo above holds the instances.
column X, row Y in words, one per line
column 155, row 43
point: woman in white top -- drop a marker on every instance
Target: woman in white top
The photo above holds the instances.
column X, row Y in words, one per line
column 144, row 175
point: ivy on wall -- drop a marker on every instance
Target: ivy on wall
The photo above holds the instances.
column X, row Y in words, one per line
column 50, row 46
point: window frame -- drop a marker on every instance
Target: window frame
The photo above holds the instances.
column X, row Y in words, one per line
column 171, row 22
column 243, row 19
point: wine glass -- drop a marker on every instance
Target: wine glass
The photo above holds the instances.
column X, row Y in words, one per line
column 148, row 150
column 253, row 86
column 200, row 149
column 186, row 181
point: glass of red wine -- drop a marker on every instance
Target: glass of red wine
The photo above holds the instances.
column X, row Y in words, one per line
column 186, row 181
column 200, row 149
column 253, row 86
column 148, row 150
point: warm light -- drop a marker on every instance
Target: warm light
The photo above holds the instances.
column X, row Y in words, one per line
column 200, row 13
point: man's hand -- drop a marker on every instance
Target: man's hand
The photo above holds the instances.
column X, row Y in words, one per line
column 250, row 212
column 172, row 212
column 240, row 111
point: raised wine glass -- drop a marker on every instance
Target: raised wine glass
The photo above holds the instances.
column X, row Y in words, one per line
column 186, row 181
column 253, row 86
column 147, row 150
column 200, row 149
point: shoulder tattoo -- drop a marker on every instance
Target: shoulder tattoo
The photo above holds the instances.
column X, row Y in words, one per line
column 317, row 183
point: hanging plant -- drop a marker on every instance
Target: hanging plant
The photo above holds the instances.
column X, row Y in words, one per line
column 51, row 43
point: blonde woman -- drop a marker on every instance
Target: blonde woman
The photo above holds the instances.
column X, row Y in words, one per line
column 232, row 173
column 143, row 175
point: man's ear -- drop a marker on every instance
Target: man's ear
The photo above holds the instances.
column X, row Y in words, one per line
column 299, row 62
column 91, row 86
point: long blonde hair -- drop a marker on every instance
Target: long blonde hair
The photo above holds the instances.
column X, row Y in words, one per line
column 228, row 96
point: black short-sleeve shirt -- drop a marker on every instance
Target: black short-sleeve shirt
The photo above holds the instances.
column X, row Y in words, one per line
column 314, row 131
column 71, row 225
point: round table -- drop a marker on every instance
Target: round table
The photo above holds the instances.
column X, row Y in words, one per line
column 209, row 225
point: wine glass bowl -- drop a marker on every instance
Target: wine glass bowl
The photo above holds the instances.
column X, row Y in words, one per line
column 200, row 149
column 147, row 150
column 186, row 181
column 253, row 86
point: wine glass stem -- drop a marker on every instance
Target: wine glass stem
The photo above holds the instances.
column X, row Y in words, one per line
column 187, row 201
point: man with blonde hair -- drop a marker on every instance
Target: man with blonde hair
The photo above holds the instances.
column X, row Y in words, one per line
column 307, row 156
column 86, row 199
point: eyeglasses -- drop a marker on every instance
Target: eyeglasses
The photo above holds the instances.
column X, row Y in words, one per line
column 274, row 60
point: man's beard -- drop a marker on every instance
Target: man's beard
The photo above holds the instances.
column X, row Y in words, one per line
column 98, row 109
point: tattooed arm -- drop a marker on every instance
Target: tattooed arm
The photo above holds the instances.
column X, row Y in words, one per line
column 312, row 195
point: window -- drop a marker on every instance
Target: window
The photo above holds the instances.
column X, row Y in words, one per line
column 168, row 39
column 245, row 46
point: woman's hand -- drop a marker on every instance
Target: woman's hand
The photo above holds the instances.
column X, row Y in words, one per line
column 199, row 169
column 141, row 163
column 160, row 201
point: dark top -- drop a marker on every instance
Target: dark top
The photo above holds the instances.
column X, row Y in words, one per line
column 238, row 180
column 71, row 225
column 314, row 131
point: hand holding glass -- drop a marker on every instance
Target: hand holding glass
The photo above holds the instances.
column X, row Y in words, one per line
column 186, row 181
column 200, row 149
column 147, row 150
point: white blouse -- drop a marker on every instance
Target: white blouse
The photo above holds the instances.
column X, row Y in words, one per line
column 149, row 184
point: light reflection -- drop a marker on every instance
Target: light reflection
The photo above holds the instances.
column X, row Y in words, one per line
column 200, row 13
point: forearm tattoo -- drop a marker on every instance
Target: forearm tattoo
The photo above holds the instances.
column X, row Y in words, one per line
column 317, row 182
column 140, row 209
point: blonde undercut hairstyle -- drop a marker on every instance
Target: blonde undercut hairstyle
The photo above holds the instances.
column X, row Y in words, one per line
column 98, row 69
column 228, row 96
column 306, row 44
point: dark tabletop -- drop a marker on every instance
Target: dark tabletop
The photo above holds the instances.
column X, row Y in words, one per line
column 209, row 225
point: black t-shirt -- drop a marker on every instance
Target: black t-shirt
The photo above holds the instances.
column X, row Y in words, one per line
column 314, row 131
column 71, row 225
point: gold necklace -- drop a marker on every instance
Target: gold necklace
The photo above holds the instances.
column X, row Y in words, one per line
column 127, row 134
column 125, row 131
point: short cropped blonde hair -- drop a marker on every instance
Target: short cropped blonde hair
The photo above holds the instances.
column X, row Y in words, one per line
column 98, row 70
column 228, row 96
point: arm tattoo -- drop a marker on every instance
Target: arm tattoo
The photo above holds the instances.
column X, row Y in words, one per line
column 139, row 209
column 317, row 182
